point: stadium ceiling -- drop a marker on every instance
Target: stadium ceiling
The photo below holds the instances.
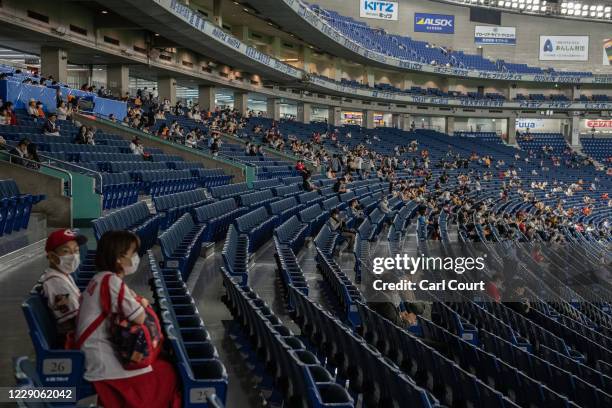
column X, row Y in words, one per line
column 591, row 10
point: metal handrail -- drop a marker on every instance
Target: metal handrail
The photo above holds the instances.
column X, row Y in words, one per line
column 84, row 170
column 42, row 164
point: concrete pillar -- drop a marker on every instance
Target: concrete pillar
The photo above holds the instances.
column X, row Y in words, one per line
column 337, row 70
column 511, row 92
column 206, row 97
column 450, row 125
column 397, row 120
column 574, row 137
column 217, row 12
column 276, row 47
column 368, row 119
column 306, row 57
column 452, row 85
column 273, row 108
column 54, row 61
column 241, row 102
column 368, row 77
column 167, row 89
column 511, row 137
column 406, row 121
column 303, row 112
column 242, row 33
column 118, row 79
column 575, row 92
column 334, row 116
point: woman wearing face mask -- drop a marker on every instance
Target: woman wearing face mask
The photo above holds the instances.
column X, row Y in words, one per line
column 154, row 386
column 58, row 287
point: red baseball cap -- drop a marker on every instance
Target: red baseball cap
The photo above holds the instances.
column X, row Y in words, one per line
column 61, row 236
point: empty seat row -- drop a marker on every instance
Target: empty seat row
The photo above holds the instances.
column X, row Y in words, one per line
column 346, row 293
column 289, row 269
column 217, row 217
column 173, row 206
column 235, row 255
column 256, row 198
column 284, row 208
column 136, row 218
column 461, row 388
column 181, row 244
column 200, row 370
column 15, row 208
column 258, row 225
column 230, row 190
column 295, row 371
column 375, row 381
column 292, row 233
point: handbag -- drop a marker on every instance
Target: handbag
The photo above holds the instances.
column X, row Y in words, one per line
column 136, row 345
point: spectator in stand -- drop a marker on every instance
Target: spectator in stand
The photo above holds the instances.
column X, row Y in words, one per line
column 307, row 183
column 39, row 110
column 31, row 109
column 213, row 144
column 62, row 111
column 9, row 115
column 300, row 167
column 191, row 140
column 340, row 186
column 338, row 224
column 20, row 152
column 495, row 286
column 58, row 286
column 3, row 145
column 356, row 211
column 33, row 157
column 153, row 386
column 51, row 127
column 136, row 146
column 4, row 119
column 81, row 137
column 384, row 207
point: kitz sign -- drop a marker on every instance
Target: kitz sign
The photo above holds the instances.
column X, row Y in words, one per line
column 434, row 23
column 382, row 10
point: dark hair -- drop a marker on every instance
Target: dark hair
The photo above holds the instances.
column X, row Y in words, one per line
column 112, row 246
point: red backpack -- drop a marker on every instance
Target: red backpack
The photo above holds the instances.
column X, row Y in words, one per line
column 136, row 345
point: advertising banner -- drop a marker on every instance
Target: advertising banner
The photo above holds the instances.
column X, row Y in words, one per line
column 530, row 123
column 607, row 51
column 598, row 124
column 485, row 35
column 434, row 23
column 564, row 48
column 382, row 10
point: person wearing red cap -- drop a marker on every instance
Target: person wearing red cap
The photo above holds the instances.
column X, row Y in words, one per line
column 58, row 287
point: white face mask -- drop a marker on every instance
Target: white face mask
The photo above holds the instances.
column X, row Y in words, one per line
column 128, row 270
column 69, row 263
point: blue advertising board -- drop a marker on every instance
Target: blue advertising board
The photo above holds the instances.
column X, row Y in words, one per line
column 434, row 23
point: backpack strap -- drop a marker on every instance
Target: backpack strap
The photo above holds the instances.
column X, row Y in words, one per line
column 105, row 304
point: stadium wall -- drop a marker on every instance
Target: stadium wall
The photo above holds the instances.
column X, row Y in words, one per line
column 528, row 30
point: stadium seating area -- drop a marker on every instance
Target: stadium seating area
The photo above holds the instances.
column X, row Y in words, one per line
column 599, row 149
column 120, row 175
column 15, row 208
column 265, row 167
column 478, row 368
column 266, row 287
column 406, row 48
